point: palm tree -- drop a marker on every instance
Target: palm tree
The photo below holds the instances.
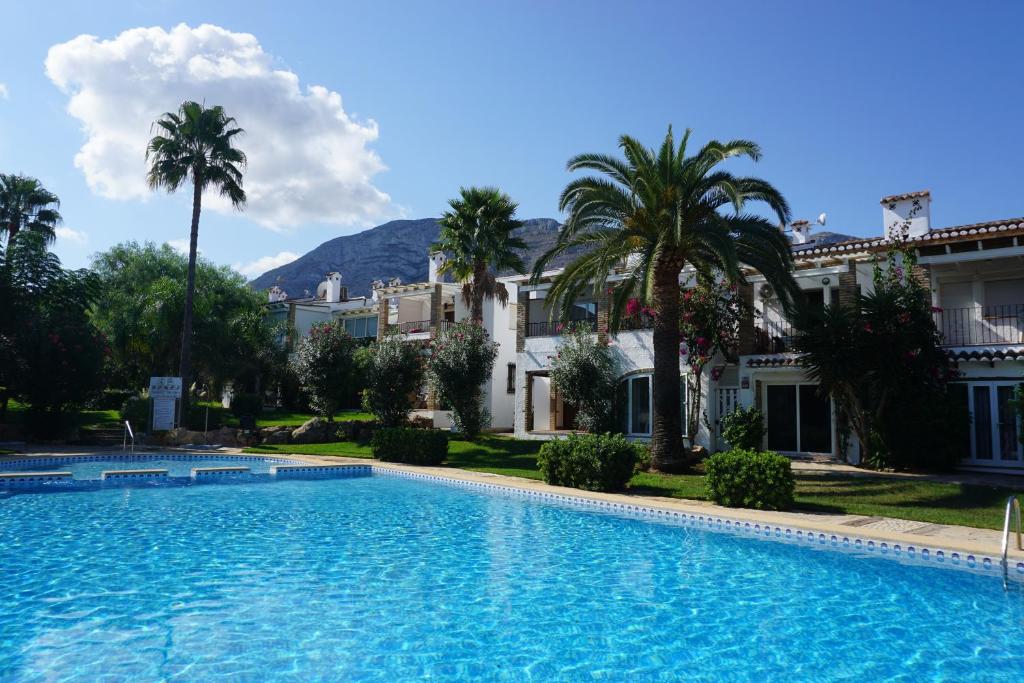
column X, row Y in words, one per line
column 477, row 235
column 652, row 214
column 26, row 205
column 195, row 143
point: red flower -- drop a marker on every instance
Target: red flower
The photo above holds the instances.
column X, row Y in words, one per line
column 936, row 309
column 868, row 328
column 632, row 307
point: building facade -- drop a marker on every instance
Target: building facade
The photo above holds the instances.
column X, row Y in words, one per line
column 975, row 274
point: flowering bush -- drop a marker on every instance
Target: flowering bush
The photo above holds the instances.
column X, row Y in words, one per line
column 584, row 373
column 324, row 365
column 460, row 361
column 709, row 325
column 394, row 373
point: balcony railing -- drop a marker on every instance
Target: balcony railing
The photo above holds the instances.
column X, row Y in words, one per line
column 774, row 338
column 981, row 325
column 414, row 326
column 550, row 328
column 640, row 321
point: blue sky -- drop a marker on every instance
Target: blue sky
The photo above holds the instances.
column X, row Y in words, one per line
column 850, row 101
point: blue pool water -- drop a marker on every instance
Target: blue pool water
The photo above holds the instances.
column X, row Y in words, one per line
column 176, row 465
column 389, row 579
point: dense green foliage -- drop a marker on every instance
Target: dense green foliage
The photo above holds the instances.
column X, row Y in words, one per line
column 140, row 310
column 881, row 363
column 324, row 364
column 656, row 211
column 246, row 403
column 476, row 237
column 584, row 373
column 51, row 355
column 593, row 462
column 744, row 428
column 197, row 144
column 394, row 374
column 750, row 479
column 460, row 361
column 411, row 446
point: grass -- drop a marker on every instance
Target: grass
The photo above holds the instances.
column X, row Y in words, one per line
column 89, row 419
column 285, row 418
column 921, row 500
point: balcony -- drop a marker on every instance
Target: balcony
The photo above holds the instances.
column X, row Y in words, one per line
column 774, row 338
column 640, row 321
column 981, row 325
column 413, row 327
column 551, row 328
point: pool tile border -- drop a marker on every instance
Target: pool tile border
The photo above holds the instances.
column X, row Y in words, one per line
column 982, row 564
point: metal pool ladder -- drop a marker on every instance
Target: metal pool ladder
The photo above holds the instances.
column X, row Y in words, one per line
column 1012, row 506
column 128, row 433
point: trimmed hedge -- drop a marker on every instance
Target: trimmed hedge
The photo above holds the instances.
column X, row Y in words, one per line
column 411, row 446
column 593, row 462
column 246, row 404
column 750, row 479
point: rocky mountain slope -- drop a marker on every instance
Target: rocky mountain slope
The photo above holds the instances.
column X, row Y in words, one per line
column 394, row 249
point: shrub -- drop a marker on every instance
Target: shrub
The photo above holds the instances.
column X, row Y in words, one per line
column 136, row 411
column 246, row 404
column 394, row 373
column 412, row 446
column 325, row 368
column 743, row 428
column 460, row 361
column 750, row 479
column 643, row 457
column 584, row 373
column 197, row 419
column 593, row 462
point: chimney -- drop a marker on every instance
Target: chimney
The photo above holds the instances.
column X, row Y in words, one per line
column 436, row 260
column 333, row 291
column 907, row 216
column 801, row 232
column 276, row 294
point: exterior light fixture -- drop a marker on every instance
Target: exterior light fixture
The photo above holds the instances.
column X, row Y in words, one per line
column 826, row 280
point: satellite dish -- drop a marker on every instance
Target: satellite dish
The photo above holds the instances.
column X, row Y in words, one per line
column 821, row 219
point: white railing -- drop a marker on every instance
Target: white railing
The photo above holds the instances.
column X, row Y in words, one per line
column 1012, row 506
column 128, row 434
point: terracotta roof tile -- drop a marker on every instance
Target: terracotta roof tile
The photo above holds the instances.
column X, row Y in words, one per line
column 905, row 195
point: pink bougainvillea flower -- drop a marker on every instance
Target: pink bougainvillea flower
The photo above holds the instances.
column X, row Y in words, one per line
column 936, row 309
column 632, row 307
column 868, row 328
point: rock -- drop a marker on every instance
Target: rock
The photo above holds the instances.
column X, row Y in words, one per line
column 283, row 436
column 225, row 436
column 316, row 430
column 180, row 436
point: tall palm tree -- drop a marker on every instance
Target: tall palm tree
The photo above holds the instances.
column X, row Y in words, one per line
column 26, row 205
column 477, row 234
column 195, row 143
column 649, row 216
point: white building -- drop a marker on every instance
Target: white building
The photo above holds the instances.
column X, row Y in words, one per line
column 976, row 277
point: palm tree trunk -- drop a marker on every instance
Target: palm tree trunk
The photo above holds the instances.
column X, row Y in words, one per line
column 476, row 309
column 185, row 369
column 666, row 436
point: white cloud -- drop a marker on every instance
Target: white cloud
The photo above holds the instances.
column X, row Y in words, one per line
column 180, row 246
column 65, row 234
column 309, row 161
column 5, row 94
column 254, row 269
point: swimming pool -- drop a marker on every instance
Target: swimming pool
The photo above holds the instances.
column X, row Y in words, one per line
column 176, row 464
column 388, row 578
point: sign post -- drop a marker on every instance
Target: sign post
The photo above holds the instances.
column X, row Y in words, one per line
column 164, row 392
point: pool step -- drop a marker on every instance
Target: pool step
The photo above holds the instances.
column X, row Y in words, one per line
column 108, row 475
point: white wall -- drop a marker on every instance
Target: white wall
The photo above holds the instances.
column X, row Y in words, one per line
column 499, row 321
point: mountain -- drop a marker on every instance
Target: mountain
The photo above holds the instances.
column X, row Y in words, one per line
column 394, row 249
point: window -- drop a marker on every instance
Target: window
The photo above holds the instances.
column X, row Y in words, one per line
column 634, row 404
column 510, row 379
column 995, row 425
column 361, row 327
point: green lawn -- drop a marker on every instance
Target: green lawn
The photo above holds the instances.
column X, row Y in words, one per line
column 84, row 418
column 901, row 497
column 283, row 418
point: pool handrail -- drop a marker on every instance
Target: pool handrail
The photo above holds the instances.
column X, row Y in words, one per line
column 1012, row 506
column 128, row 433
